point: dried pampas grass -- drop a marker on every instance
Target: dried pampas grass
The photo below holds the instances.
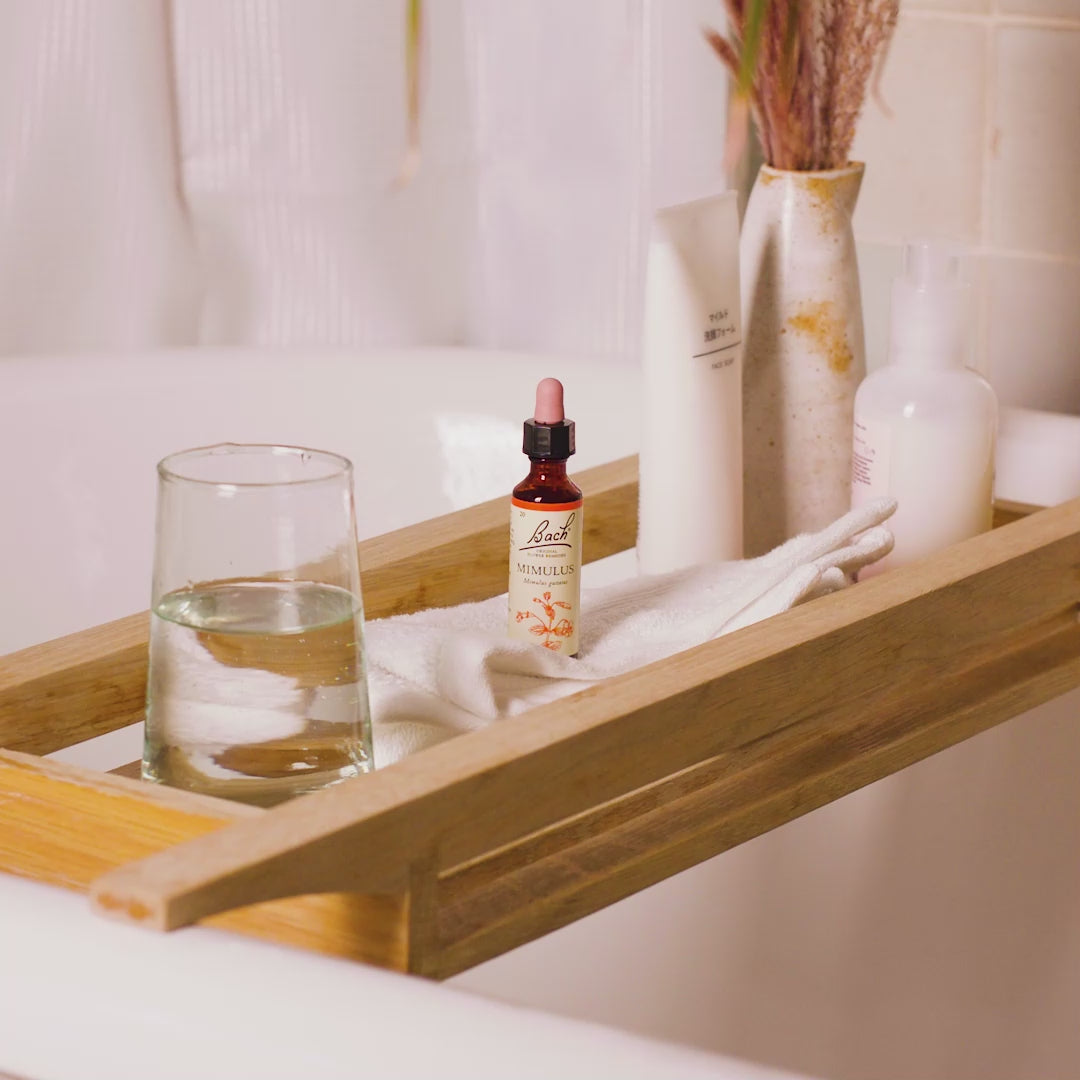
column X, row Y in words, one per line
column 803, row 67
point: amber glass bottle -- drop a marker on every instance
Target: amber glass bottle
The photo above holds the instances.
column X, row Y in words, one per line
column 545, row 532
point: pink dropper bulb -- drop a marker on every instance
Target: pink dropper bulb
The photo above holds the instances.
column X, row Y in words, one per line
column 549, row 402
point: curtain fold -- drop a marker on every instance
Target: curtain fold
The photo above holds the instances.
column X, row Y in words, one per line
column 95, row 244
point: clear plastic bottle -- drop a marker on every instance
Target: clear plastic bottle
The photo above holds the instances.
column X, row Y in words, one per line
column 926, row 424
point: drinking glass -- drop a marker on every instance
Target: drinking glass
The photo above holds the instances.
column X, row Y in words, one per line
column 257, row 687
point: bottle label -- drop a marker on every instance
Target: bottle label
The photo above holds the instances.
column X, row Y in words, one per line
column 870, row 460
column 545, row 574
column 720, row 341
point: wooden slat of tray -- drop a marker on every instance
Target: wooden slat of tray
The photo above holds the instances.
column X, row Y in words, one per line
column 852, row 687
column 67, row 826
column 454, row 918
column 621, row 516
column 1006, row 512
column 555, row 877
column 86, row 684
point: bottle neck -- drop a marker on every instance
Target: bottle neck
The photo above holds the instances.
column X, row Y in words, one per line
column 931, row 328
column 928, row 358
column 547, row 471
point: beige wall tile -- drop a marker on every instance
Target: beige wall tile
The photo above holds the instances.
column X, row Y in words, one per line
column 1035, row 168
column 1033, row 311
column 1059, row 8
column 879, row 264
column 924, row 164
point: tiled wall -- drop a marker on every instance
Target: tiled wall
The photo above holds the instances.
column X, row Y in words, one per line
column 983, row 146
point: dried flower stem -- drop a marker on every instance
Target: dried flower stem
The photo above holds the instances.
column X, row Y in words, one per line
column 414, row 26
column 804, row 66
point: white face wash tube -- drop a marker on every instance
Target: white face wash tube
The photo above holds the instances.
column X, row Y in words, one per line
column 690, row 463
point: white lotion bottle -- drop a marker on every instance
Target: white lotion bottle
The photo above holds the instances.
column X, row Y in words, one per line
column 690, row 461
column 926, row 424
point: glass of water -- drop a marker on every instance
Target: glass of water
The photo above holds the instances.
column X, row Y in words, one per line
column 257, row 687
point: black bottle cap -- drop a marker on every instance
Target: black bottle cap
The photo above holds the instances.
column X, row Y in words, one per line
column 548, row 442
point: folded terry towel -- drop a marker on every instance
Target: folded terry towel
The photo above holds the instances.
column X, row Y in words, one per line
column 444, row 671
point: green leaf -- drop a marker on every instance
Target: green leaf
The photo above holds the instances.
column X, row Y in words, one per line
column 753, row 26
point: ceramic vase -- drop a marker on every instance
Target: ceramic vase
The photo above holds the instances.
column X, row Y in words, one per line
column 803, row 355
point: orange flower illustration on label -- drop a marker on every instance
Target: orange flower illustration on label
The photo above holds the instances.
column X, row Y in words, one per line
column 547, row 627
column 545, row 577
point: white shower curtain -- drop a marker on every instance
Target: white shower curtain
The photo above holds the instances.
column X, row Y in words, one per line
column 183, row 172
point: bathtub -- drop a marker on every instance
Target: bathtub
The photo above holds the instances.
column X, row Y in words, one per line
column 428, row 432
column 922, row 926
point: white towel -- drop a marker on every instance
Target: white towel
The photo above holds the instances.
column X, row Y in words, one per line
column 445, row 671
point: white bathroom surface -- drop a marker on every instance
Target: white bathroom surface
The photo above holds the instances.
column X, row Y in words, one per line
column 428, row 431
column 86, row 999
column 1038, row 457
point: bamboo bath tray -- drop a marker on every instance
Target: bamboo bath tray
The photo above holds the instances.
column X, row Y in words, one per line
column 478, row 845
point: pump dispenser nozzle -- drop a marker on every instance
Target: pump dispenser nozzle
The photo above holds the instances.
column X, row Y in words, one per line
column 931, row 308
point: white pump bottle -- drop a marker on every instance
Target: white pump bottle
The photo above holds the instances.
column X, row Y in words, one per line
column 926, row 424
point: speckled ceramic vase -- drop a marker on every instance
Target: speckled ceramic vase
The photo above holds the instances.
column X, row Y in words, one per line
column 803, row 354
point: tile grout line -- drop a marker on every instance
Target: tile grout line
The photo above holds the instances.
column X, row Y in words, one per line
column 989, row 126
column 1000, row 18
column 982, row 251
column 987, row 154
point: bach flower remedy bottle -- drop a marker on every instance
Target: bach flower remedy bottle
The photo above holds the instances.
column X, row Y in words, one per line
column 545, row 532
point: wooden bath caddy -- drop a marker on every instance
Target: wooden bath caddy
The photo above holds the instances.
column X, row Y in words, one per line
column 492, row 839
